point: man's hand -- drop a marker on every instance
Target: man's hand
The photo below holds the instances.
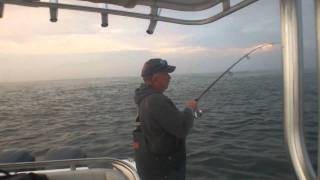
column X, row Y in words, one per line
column 192, row 104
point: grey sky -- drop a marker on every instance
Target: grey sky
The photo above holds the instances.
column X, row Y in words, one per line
column 77, row 47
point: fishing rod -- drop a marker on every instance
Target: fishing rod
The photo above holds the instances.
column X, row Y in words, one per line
column 245, row 56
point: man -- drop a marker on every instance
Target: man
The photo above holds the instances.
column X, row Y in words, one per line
column 159, row 140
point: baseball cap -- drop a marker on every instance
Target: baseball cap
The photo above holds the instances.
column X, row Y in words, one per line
column 155, row 65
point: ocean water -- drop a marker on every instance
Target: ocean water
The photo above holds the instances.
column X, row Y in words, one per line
column 239, row 136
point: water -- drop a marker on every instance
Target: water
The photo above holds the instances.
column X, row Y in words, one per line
column 239, row 136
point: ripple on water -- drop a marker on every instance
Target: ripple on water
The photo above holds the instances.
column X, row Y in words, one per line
column 238, row 137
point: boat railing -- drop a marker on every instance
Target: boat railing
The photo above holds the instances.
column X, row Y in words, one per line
column 154, row 15
column 74, row 164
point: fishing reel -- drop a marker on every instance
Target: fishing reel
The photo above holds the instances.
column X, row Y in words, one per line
column 197, row 113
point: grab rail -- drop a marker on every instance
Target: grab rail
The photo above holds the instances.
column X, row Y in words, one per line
column 292, row 77
column 72, row 163
column 317, row 19
column 227, row 10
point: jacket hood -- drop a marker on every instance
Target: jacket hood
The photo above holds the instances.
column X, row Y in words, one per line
column 142, row 92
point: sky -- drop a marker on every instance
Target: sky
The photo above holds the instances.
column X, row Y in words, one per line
column 34, row 49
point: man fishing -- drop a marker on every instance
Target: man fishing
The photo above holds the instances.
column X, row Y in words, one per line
column 159, row 140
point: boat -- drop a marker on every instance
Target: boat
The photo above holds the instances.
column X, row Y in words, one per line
column 291, row 44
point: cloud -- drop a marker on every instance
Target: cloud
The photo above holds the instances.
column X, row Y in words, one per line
column 64, row 44
column 178, row 50
column 21, row 67
column 90, row 43
column 106, row 40
column 31, row 47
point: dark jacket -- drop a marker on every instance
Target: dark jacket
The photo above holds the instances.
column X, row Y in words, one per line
column 163, row 125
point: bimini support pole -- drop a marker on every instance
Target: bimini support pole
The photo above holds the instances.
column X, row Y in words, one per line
column 291, row 30
column 317, row 18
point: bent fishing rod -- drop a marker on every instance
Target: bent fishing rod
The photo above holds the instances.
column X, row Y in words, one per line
column 245, row 56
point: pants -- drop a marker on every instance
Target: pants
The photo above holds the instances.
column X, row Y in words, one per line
column 157, row 167
column 152, row 172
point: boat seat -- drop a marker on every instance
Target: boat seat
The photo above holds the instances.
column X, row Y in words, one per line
column 88, row 174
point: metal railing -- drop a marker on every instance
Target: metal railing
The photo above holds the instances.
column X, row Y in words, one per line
column 153, row 16
column 72, row 164
column 317, row 19
column 292, row 44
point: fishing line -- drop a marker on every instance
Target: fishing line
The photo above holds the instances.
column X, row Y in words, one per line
column 198, row 112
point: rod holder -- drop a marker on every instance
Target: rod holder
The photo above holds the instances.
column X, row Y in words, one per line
column 53, row 11
column 153, row 23
column 152, row 26
column 226, row 5
column 1, row 8
column 104, row 17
